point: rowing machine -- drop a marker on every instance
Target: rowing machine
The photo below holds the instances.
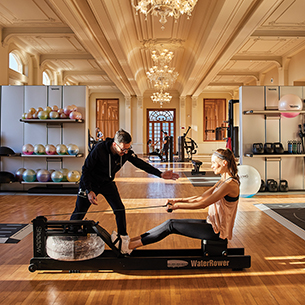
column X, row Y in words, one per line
column 213, row 254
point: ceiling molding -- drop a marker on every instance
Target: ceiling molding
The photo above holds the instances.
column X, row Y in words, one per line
column 278, row 60
column 8, row 33
column 55, row 57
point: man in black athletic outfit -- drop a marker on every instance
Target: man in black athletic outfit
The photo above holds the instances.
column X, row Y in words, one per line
column 98, row 173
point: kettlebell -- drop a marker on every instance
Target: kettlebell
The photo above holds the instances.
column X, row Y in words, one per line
column 278, row 148
column 272, row 185
column 258, row 148
column 263, row 186
column 269, row 148
column 283, row 186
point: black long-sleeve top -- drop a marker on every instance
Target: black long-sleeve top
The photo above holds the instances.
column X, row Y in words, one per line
column 101, row 165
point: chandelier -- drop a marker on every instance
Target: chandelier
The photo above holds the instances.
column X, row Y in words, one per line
column 165, row 8
column 161, row 75
column 161, row 97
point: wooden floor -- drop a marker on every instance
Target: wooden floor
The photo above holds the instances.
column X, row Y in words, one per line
column 277, row 275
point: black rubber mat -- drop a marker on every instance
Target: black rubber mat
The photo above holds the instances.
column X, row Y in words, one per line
column 294, row 212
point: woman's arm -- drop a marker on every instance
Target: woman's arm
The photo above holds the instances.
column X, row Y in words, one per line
column 193, row 199
column 203, row 201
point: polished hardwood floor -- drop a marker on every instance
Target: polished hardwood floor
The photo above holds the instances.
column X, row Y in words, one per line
column 277, row 274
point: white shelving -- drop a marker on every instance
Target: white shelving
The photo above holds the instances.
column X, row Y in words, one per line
column 15, row 131
column 261, row 122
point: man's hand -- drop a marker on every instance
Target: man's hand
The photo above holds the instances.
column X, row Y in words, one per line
column 92, row 198
column 169, row 175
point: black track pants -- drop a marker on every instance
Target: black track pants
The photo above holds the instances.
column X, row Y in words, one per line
column 111, row 194
column 195, row 228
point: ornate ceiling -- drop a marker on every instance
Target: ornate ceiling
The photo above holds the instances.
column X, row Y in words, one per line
column 105, row 45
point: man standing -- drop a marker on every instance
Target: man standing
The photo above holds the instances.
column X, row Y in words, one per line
column 98, row 173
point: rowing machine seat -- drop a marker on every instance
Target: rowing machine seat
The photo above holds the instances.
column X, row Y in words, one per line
column 214, row 247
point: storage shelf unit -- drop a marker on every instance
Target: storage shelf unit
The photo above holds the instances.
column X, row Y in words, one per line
column 51, row 121
column 271, row 112
column 15, row 131
column 50, row 183
column 261, row 122
column 250, row 155
column 52, row 156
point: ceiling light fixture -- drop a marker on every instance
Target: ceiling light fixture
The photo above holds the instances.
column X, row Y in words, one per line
column 164, row 8
column 161, row 75
column 161, row 97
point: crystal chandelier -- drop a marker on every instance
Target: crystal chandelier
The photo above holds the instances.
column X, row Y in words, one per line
column 165, row 8
column 161, row 75
column 161, row 97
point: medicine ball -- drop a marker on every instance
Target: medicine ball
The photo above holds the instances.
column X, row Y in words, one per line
column 269, row 148
column 272, row 185
column 258, row 148
column 278, row 148
column 283, row 187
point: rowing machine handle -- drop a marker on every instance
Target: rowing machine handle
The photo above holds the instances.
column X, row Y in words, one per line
column 169, row 210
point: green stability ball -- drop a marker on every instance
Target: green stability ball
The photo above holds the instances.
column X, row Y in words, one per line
column 29, row 175
column 57, row 176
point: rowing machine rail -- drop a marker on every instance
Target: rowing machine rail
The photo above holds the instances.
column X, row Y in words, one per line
column 211, row 255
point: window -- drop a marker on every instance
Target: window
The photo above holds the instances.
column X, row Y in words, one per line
column 107, row 116
column 15, row 62
column 214, row 119
column 46, row 79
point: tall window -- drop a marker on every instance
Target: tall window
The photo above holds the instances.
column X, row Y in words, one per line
column 46, row 79
column 214, row 119
column 107, row 116
column 15, row 63
column 159, row 122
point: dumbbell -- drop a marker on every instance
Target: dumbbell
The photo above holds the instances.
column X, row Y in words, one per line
column 278, row 148
column 263, row 186
column 269, row 148
column 258, row 148
column 272, row 185
column 283, row 186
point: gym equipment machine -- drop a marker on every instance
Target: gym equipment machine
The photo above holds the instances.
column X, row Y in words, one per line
column 211, row 255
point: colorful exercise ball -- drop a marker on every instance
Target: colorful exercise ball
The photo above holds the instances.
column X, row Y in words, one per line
column 68, row 109
column 73, row 149
column 43, row 175
column 27, row 149
column 73, row 176
column 250, row 180
column 57, row 176
column 54, row 115
column 48, row 109
column 75, row 115
column 19, row 173
column 28, row 116
column 39, row 149
column 290, row 102
column 43, row 115
column 50, row 149
column 61, row 149
column 29, row 175
column 65, row 172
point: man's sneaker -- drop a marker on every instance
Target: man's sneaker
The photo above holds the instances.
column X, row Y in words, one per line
column 121, row 242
